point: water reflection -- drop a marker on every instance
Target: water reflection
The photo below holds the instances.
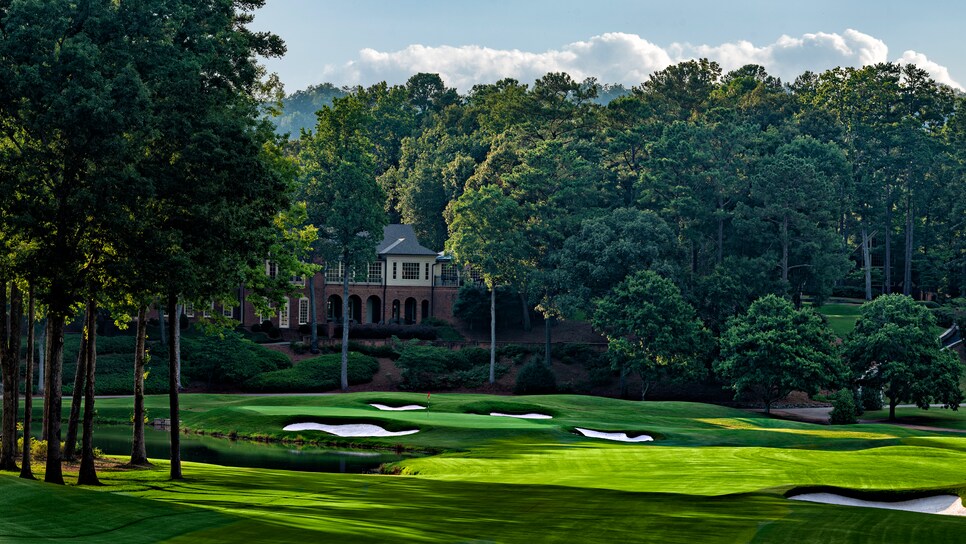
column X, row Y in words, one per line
column 116, row 440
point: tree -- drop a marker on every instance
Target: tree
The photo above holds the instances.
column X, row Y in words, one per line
column 485, row 233
column 791, row 213
column 209, row 180
column 344, row 201
column 893, row 349
column 650, row 327
column 774, row 349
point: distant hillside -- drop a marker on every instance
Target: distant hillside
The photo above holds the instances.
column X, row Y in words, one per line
column 299, row 108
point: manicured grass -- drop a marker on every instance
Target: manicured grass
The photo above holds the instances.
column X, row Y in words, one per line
column 841, row 317
column 933, row 417
column 714, row 474
column 278, row 506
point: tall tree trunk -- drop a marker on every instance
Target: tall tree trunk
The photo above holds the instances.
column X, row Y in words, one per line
column 55, row 361
column 176, row 342
column 8, row 366
column 887, row 266
column 547, row 352
column 139, row 454
column 527, row 325
column 493, row 334
column 44, row 347
column 173, row 388
column 344, row 379
column 162, row 325
column 892, row 408
column 87, row 474
column 70, row 443
column 867, row 262
column 313, row 317
column 907, row 262
column 16, row 329
column 42, row 356
column 26, row 471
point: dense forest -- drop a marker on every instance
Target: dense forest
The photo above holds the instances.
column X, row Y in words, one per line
column 732, row 185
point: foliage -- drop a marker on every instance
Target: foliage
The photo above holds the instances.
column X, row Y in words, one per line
column 433, row 368
column 774, row 349
column 843, row 408
column 472, row 306
column 894, row 349
column 314, row 375
column 369, row 331
column 227, row 361
column 650, row 327
column 535, row 378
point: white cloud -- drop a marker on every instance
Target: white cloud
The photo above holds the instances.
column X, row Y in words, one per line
column 936, row 71
column 620, row 58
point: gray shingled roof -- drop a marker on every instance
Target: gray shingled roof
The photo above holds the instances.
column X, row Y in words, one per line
column 401, row 240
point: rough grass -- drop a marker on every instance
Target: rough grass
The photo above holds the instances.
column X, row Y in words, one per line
column 714, row 475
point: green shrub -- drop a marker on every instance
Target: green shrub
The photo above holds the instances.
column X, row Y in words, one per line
column 871, row 399
column 569, row 354
column 843, row 409
column 430, row 367
column 227, row 361
column 298, row 348
column 474, row 357
column 378, row 350
column 375, row 331
column 322, row 373
column 535, row 378
column 516, row 353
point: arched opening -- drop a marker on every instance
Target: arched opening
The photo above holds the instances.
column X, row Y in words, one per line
column 355, row 308
column 373, row 309
column 395, row 311
column 424, row 311
column 333, row 308
column 410, row 311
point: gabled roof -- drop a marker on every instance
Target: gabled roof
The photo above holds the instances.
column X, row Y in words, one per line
column 401, row 240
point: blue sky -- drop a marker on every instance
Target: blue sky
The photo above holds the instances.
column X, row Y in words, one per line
column 352, row 42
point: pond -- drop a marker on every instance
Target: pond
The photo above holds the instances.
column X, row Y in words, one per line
column 116, row 440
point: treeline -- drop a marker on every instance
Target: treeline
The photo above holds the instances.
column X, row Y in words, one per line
column 135, row 169
column 733, row 185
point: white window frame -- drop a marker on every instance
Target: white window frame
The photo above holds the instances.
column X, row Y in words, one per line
column 189, row 309
column 334, row 273
column 410, row 271
column 374, row 272
column 283, row 316
column 228, row 311
column 303, row 311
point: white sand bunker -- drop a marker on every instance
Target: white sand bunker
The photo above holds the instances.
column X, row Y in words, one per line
column 947, row 505
column 620, row 437
column 358, row 429
column 522, row 416
column 398, row 408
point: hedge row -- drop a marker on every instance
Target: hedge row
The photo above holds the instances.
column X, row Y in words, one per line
column 322, row 373
column 429, row 367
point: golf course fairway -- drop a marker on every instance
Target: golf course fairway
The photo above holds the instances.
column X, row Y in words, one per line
column 712, row 474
